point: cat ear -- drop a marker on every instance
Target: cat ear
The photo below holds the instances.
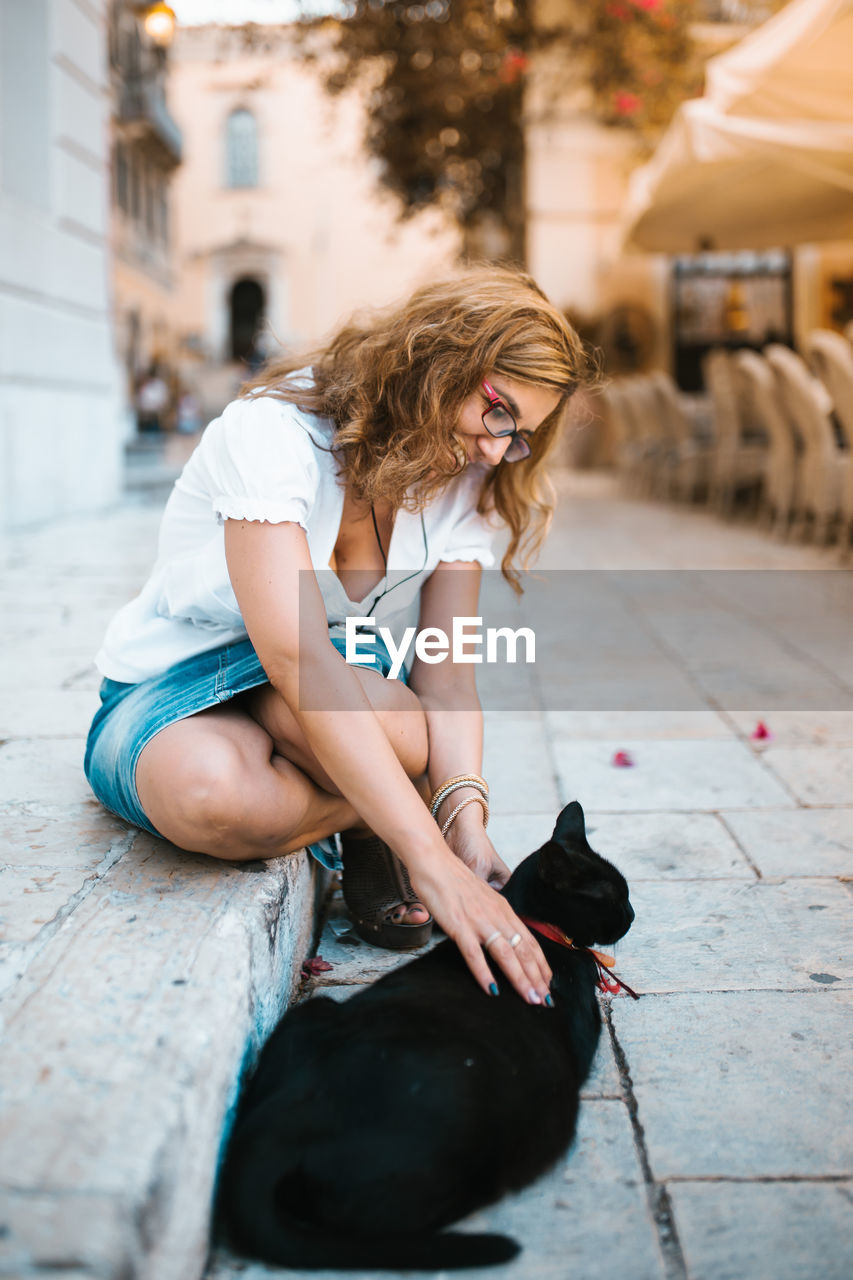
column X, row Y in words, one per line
column 571, row 828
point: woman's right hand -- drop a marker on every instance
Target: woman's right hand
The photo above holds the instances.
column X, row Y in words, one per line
column 473, row 914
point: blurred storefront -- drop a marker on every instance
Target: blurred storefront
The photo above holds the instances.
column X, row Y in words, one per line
column 729, row 300
column 666, row 308
column 146, row 149
column 61, row 423
column 280, row 229
column 760, row 170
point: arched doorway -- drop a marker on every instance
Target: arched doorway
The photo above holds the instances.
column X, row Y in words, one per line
column 247, row 317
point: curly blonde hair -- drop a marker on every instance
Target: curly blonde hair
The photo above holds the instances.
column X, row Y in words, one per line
column 394, row 382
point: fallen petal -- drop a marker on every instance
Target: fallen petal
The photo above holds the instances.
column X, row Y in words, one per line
column 622, row 760
column 314, row 966
column 760, row 732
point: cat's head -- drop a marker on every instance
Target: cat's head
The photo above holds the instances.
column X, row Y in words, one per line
column 569, row 885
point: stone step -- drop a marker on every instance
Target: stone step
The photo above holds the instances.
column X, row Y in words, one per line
column 141, row 1010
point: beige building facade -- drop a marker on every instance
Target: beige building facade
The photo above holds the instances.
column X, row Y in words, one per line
column 61, row 427
column 280, row 229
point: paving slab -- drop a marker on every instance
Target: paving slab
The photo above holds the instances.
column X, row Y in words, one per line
column 744, row 1084
column 37, row 670
column 739, row 1084
column 815, row 775
column 82, row 1236
column 628, row 688
column 515, row 835
column 799, row 842
column 48, row 712
column 723, row 935
column 354, row 962
column 44, row 773
column 765, row 1230
column 515, row 761
column 46, row 867
column 678, row 776
column 558, row 1221
column 137, row 1016
column 607, row 724
column 798, row 728
column 668, row 846
column 644, row 846
column 740, row 665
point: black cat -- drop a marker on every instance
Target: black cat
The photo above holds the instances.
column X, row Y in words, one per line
column 370, row 1125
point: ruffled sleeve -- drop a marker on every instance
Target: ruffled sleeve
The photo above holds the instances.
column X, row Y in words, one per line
column 471, row 535
column 263, row 463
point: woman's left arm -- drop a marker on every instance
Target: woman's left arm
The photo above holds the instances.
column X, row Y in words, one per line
column 448, row 694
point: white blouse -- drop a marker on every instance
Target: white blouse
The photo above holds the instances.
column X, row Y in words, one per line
column 263, row 459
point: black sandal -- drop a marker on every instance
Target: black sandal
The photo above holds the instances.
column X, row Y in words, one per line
column 375, row 882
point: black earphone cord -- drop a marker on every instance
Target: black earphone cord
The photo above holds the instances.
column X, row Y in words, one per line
column 384, row 593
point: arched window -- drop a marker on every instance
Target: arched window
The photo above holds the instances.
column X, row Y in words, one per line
column 241, row 149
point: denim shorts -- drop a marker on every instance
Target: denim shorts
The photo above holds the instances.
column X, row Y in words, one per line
column 130, row 715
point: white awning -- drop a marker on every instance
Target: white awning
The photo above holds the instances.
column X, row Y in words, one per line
column 799, row 64
column 727, row 182
column 765, row 159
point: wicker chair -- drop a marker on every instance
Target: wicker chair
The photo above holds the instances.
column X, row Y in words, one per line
column 630, row 448
column 823, row 465
column 759, row 392
column 693, row 457
column 831, row 359
column 661, row 461
column 739, row 463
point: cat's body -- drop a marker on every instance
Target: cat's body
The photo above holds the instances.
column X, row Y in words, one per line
column 371, row 1124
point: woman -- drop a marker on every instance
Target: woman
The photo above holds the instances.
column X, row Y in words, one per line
column 369, row 484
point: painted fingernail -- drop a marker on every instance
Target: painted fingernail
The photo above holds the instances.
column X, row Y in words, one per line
column 534, row 997
column 493, row 989
column 549, row 1002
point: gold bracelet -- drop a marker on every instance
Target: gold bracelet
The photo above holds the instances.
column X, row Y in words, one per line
column 450, row 782
column 453, row 784
column 461, row 805
column 448, row 789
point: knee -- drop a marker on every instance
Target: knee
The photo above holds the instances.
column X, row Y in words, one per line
column 212, row 799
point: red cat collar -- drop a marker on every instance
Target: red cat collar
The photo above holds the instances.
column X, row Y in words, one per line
column 606, row 981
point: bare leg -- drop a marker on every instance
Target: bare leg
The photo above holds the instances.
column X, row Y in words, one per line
column 398, row 709
column 221, row 783
column 402, row 718
column 212, row 783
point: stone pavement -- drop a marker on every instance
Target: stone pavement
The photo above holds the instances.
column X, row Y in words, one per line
column 714, row 1139
column 134, row 979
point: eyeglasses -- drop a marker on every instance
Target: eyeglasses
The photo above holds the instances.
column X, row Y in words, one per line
column 500, row 423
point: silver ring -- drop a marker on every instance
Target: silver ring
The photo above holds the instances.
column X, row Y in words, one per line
column 514, row 940
column 491, row 938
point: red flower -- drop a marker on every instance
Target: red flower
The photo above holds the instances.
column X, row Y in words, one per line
column 622, row 760
column 513, row 66
column 627, row 104
column 760, row 732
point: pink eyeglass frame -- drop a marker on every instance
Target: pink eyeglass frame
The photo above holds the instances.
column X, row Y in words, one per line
column 497, row 401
